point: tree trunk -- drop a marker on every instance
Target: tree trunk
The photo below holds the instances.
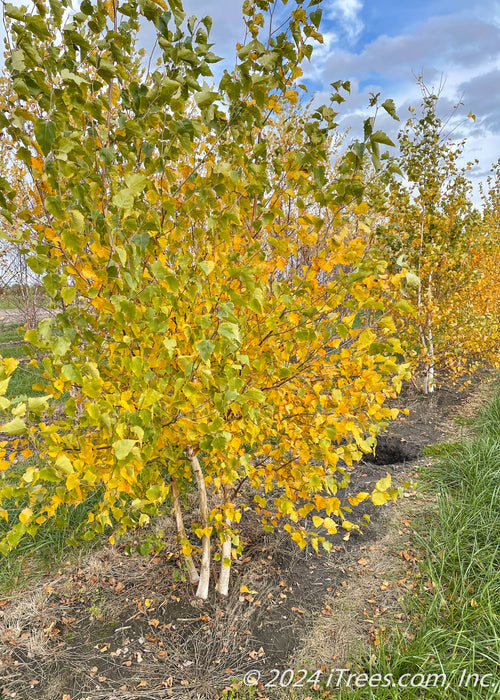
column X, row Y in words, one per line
column 181, row 532
column 202, row 591
column 429, row 376
column 225, row 566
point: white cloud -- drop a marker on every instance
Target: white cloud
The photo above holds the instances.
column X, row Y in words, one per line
column 348, row 14
column 461, row 49
column 439, row 43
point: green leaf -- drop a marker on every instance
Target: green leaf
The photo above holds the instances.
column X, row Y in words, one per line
column 77, row 220
column 54, row 206
column 256, row 395
column 378, row 348
column 122, row 448
column 124, row 199
column 72, row 77
column 153, row 493
column 230, row 331
column 315, row 17
column 17, row 61
column 381, row 137
column 405, row 306
column 136, row 182
column 35, row 403
column 205, row 98
column 13, row 12
column 220, row 442
column 207, row 266
column 141, row 240
column 390, row 108
column 68, row 294
column 270, row 60
column 170, row 344
column 45, row 134
column 14, row 427
column 64, row 464
column 412, row 280
column 72, row 373
column 61, row 346
column 149, row 397
column 205, row 349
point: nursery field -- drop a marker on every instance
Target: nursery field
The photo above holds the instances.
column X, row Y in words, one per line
column 249, row 427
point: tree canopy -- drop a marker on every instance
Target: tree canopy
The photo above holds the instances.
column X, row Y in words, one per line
column 224, row 321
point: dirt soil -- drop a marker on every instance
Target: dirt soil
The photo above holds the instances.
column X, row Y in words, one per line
column 123, row 626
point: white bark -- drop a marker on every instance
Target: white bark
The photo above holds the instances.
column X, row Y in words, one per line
column 225, row 567
column 429, row 379
column 181, row 532
column 202, row 591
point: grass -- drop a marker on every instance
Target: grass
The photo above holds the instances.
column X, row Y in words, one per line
column 54, row 542
column 24, row 376
column 11, row 332
column 10, row 299
column 455, row 609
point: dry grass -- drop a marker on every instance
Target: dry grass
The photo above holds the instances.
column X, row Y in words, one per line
column 368, row 597
column 121, row 625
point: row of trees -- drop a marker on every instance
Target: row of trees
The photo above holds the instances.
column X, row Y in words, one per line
column 229, row 312
column 453, row 250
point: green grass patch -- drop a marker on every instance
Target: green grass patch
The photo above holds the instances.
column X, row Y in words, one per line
column 25, row 375
column 58, row 540
column 22, row 380
column 11, row 336
column 15, row 350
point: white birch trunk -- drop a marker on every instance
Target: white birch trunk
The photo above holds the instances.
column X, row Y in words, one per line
column 181, row 532
column 202, row 591
column 225, row 567
column 429, row 379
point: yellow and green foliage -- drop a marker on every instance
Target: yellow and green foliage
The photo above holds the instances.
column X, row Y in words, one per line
column 452, row 252
column 224, row 325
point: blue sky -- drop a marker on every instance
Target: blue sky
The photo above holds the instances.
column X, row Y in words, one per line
column 381, row 45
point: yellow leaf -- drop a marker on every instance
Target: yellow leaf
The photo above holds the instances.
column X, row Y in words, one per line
column 63, row 463
column 384, row 483
column 72, row 482
column 187, row 550
column 355, row 500
column 25, row 515
column 379, row 498
column 348, row 525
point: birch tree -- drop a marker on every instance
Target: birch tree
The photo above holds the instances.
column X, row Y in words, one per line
column 160, row 207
